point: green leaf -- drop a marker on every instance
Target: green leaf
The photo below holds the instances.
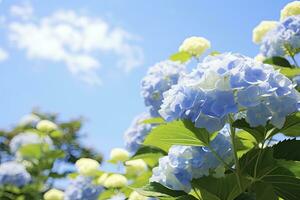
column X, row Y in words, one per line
column 157, row 120
column 292, row 166
column 291, row 126
column 32, row 150
column 154, row 189
column 290, row 73
column 181, row 57
column 246, row 196
column 141, row 180
column 244, row 142
column 279, row 61
column 287, row 149
column 149, row 154
column 225, row 188
column 258, row 132
column 262, row 167
column 177, row 133
column 264, row 191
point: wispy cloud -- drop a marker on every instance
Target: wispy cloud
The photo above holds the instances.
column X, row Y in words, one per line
column 3, row 55
column 78, row 41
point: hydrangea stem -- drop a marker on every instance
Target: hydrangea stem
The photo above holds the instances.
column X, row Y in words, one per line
column 236, row 159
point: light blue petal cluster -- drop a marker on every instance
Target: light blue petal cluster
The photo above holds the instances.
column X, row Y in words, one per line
column 159, row 79
column 136, row 133
column 229, row 84
column 14, row 173
column 286, row 32
column 28, row 138
column 82, row 188
column 183, row 163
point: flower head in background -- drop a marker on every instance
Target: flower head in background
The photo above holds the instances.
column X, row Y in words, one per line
column 101, row 180
column 87, row 166
column 262, row 29
column 54, row 194
column 195, row 46
column 136, row 133
column 82, row 188
column 28, row 138
column 115, row 181
column 228, row 84
column 14, row 173
column 46, row 126
column 119, row 155
column 136, row 196
column 183, row 163
column 159, row 79
column 291, row 9
column 287, row 32
column 135, row 167
column 30, row 119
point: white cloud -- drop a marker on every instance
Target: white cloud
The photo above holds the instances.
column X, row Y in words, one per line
column 76, row 40
column 23, row 11
column 3, row 55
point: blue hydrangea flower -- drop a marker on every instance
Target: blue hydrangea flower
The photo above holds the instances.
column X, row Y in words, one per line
column 286, row 32
column 13, row 173
column 183, row 163
column 136, row 133
column 159, row 79
column 82, row 188
column 227, row 85
column 28, row 138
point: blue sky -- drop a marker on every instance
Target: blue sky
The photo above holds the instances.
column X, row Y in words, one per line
column 104, row 84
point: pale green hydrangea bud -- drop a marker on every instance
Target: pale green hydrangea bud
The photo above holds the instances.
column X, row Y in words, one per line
column 136, row 196
column 115, row 181
column 194, row 46
column 87, row 166
column 46, row 126
column 54, row 194
column 119, row 155
column 290, row 9
column 135, row 167
column 261, row 30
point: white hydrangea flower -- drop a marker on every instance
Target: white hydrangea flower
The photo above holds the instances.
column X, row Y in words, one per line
column 119, row 155
column 31, row 119
column 262, row 29
column 87, row 166
column 54, row 194
column 195, row 46
column 115, row 181
column 290, row 9
column 46, row 125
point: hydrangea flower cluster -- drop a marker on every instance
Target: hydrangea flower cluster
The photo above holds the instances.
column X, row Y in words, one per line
column 159, row 79
column 183, row 163
column 286, row 32
column 82, row 188
column 14, row 173
column 229, row 84
column 26, row 139
column 136, row 133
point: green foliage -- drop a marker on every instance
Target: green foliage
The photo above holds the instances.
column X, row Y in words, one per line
column 278, row 61
column 181, row 57
column 177, row 133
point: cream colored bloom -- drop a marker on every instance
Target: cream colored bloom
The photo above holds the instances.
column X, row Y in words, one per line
column 261, row 30
column 119, row 155
column 54, row 194
column 29, row 119
column 136, row 196
column 135, row 166
column 115, row 181
column 195, row 46
column 46, row 125
column 259, row 58
column 101, row 180
column 87, row 166
column 290, row 9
